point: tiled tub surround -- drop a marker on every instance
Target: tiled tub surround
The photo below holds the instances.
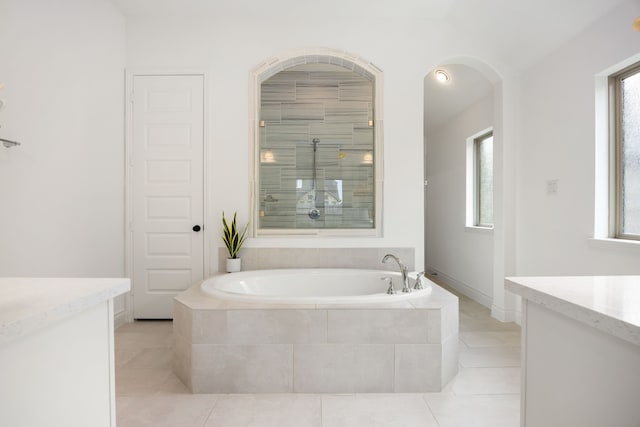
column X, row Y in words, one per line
column 271, row 258
column 335, row 105
column 232, row 347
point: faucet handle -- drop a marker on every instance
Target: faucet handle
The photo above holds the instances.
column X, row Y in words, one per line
column 391, row 290
column 418, row 284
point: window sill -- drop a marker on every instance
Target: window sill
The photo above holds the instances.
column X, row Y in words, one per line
column 608, row 242
column 478, row 229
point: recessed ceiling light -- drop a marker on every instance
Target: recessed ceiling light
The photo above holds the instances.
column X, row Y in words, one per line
column 442, row 76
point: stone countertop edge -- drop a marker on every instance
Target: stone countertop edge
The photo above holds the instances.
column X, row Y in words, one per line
column 591, row 316
column 30, row 304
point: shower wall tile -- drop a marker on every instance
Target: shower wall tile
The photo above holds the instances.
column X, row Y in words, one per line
column 270, row 179
column 358, row 217
column 358, row 90
column 351, row 159
column 349, row 112
column 304, row 157
column 316, row 91
column 279, row 135
column 327, row 155
column 280, row 156
column 271, row 112
column 291, row 174
column 276, row 222
column 301, row 112
column 334, row 133
column 280, row 209
column 278, row 91
column 363, row 136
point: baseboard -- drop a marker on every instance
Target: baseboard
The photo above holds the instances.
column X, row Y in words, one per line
column 506, row 315
column 463, row 288
column 119, row 318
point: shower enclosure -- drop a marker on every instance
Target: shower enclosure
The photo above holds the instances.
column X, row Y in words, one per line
column 317, row 148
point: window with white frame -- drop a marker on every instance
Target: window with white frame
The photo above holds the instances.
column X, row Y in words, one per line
column 480, row 180
column 624, row 114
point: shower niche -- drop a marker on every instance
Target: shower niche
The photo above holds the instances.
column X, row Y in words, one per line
column 317, row 146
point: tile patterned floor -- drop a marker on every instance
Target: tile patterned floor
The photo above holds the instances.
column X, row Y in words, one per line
column 484, row 393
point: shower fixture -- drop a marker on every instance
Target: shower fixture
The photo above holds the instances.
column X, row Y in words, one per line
column 314, row 212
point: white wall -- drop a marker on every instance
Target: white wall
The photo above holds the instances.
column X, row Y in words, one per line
column 462, row 256
column 61, row 191
column 229, row 49
column 557, row 142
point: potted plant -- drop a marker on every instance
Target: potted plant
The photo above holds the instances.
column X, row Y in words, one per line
column 233, row 240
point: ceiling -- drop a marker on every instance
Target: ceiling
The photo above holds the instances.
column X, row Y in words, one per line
column 518, row 32
column 513, row 33
column 445, row 101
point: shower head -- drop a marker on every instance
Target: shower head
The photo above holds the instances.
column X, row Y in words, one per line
column 315, row 142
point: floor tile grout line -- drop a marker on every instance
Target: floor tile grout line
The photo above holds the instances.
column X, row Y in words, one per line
column 426, row 402
column 215, row 403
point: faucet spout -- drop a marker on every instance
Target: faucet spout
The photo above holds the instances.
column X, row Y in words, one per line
column 403, row 271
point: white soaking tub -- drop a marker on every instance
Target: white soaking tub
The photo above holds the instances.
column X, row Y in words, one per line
column 312, row 286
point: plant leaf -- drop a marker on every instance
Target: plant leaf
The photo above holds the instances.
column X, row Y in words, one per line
column 232, row 239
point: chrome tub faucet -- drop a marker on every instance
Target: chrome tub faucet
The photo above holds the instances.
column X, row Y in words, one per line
column 403, row 271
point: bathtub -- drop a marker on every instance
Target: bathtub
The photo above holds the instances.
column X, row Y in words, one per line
column 312, row 286
column 314, row 331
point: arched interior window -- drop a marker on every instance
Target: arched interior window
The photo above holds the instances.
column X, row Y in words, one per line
column 317, row 150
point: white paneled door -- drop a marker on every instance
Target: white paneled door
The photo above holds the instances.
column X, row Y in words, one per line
column 167, row 230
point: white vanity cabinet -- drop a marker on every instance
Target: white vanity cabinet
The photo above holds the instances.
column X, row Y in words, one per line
column 56, row 351
column 581, row 350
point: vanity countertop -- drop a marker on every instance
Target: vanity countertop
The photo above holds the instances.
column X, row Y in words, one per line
column 610, row 304
column 29, row 304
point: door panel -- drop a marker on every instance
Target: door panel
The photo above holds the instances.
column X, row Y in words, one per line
column 167, row 190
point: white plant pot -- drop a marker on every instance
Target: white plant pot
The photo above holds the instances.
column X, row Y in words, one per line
column 234, row 265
